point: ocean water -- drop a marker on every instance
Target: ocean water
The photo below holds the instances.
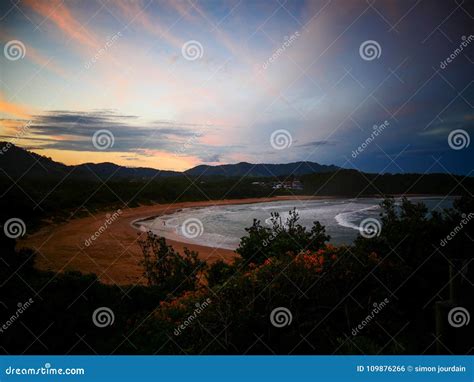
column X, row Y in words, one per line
column 223, row 226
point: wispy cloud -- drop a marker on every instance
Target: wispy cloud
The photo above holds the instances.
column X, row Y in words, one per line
column 14, row 109
column 317, row 143
column 136, row 14
column 72, row 130
column 57, row 12
column 154, row 101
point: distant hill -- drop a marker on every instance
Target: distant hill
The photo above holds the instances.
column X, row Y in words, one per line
column 106, row 170
column 34, row 187
column 261, row 170
column 17, row 162
column 20, row 165
column 356, row 183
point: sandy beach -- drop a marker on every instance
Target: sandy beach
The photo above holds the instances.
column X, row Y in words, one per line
column 115, row 255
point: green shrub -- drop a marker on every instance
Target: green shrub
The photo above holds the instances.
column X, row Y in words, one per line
column 164, row 266
column 265, row 242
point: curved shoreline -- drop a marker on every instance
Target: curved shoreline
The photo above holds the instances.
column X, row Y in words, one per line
column 115, row 255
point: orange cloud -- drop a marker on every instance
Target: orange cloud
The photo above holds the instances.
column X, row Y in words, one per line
column 57, row 12
column 139, row 16
column 13, row 109
column 147, row 158
column 182, row 7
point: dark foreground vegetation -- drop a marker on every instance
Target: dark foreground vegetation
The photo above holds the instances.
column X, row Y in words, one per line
column 405, row 279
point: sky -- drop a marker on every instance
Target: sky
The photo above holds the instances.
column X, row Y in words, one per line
column 379, row 86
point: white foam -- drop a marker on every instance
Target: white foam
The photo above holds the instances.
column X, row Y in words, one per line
column 344, row 218
column 225, row 225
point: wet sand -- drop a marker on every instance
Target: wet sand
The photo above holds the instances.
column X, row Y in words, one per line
column 115, row 255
